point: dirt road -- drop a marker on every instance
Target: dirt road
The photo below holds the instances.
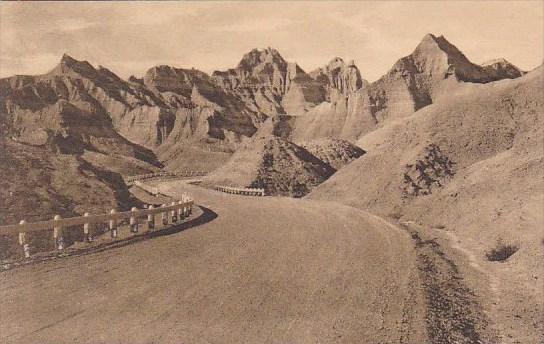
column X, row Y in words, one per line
column 259, row 270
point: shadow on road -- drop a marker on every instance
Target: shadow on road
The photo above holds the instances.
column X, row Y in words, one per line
column 206, row 216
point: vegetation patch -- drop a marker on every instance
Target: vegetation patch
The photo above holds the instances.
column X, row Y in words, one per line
column 501, row 252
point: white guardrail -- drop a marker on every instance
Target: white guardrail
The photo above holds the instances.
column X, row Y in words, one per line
column 177, row 210
column 240, row 191
column 163, row 174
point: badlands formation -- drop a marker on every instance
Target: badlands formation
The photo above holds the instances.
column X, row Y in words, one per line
column 420, row 219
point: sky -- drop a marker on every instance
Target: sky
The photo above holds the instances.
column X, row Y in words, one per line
column 130, row 37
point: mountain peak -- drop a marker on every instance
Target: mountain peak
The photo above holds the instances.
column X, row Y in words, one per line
column 436, row 52
column 336, row 60
column 67, row 59
column 500, row 60
column 68, row 64
column 431, row 41
column 262, row 56
column 503, row 68
column 429, row 38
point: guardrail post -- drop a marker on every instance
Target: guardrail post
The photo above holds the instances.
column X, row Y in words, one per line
column 86, row 228
column 134, row 220
column 22, row 241
column 113, row 224
column 164, row 216
column 174, row 214
column 57, row 234
column 187, row 210
column 180, row 211
column 150, row 219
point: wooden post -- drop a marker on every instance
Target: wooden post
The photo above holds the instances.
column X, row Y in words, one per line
column 86, row 228
column 150, row 219
column 164, row 216
column 57, row 235
column 22, row 241
column 180, row 211
column 187, row 210
column 174, row 214
column 133, row 220
column 113, row 225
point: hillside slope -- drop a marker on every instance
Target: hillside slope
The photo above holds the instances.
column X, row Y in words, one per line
column 433, row 70
column 335, row 152
column 60, row 150
column 277, row 165
column 471, row 165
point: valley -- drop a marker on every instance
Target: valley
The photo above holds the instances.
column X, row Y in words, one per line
column 403, row 210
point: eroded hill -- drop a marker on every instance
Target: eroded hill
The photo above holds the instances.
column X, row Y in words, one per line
column 470, row 165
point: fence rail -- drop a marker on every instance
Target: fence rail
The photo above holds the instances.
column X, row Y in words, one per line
column 182, row 174
column 240, row 191
column 170, row 213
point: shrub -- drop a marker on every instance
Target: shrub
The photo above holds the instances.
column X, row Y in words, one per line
column 501, row 251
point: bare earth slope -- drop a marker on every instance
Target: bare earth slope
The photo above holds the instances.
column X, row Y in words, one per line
column 275, row 164
column 320, row 272
column 335, row 152
column 471, row 166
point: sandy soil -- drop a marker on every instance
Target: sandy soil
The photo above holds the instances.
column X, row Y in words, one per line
column 258, row 270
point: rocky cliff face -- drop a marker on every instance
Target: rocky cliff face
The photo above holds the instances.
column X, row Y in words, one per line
column 56, row 136
column 257, row 69
column 57, row 111
column 260, row 79
column 503, row 69
column 173, row 110
column 146, row 111
column 183, row 113
column 431, row 72
column 303, row 92
column 269, row 84
column 339, row 78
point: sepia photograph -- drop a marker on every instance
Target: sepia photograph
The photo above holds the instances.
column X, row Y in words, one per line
column 272, row 172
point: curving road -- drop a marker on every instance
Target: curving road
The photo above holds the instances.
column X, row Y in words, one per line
column 265, row 270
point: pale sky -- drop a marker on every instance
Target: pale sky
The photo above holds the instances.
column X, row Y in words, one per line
column 130, row 37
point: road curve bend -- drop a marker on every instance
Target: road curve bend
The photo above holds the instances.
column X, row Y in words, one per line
column 265, row 270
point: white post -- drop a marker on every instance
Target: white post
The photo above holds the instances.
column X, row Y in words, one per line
column 86, row 228
column 134, row 220
column 150, row 219
column 180, row 210
column 22, row 241
column 57, row 234
column 113, row 225
column 164, row 216
column 187, row 209
column 174, row 214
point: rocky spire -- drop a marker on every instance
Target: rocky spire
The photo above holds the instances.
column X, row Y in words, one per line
column 340, row 76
